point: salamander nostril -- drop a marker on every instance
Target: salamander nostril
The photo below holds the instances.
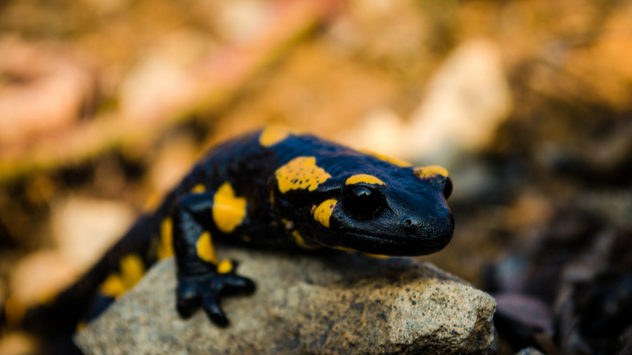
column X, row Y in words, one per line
column 408, row 222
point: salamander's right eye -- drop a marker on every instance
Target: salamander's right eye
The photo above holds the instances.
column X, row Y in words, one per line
column 362, row 202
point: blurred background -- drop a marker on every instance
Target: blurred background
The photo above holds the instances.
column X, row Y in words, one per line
column 104, row 105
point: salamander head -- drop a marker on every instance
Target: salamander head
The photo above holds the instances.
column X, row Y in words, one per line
column 376, row 208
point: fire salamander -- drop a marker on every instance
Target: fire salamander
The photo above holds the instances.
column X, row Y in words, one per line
column 268, row 188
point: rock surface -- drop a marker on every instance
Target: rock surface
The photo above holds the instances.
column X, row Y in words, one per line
column 330, row 303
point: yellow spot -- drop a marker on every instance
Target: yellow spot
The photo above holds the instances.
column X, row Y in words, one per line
column 81, row 325
column 165, row 248
column 225, row 267
column 323, row 212
column 272, row 135
column 112, row 286
column 228, row 211
column 430, row 171
column 395, row 161
column 369, row 179
column 301, row 242
column 198, row 189
column 205, row 249
column 14, row 311
column 300, row 173
column 132, row 270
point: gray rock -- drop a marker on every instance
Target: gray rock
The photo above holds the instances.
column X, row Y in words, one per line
column 330, row 303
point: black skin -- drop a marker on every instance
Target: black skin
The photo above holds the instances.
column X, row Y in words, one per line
column 405, row 216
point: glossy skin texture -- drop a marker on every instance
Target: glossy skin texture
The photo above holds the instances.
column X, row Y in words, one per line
column 276, row 189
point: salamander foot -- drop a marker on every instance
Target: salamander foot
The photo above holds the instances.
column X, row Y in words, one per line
column 206, row 291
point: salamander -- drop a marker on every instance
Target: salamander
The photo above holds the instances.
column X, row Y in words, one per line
column 270, row 188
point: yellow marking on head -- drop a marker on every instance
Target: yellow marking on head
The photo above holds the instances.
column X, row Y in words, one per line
column 369, row 179
column 300, row 173
column 132, row 270
column 323, row 212
column 81, row 325
column 205, row 250
column 225, row 267
column 112, row 286
column 165, row 247
column 272, row 135
column 198, row 189
column 395, row 161
column 301, row 242
column 228, row 211
column 14, row 312
column 425, row 172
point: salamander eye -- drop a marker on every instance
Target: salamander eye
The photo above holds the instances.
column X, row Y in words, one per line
column 447, row 188
column 362, row 202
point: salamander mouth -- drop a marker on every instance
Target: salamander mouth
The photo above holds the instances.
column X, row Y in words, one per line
column 373, row 244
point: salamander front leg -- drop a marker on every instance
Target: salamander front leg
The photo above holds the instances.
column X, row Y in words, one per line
column 202, row 280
